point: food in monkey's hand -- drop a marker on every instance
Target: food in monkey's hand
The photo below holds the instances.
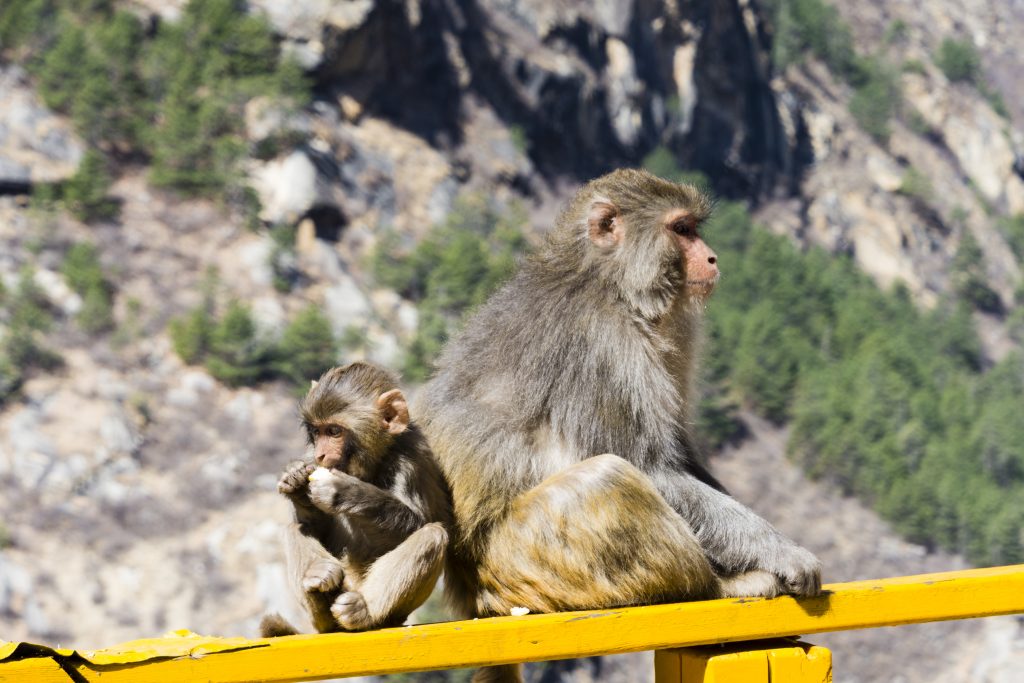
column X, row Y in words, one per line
column 320, row 473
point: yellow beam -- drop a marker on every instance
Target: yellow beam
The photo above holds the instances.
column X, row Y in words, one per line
column 761, row 662
column 37, row 670
column 861, row 604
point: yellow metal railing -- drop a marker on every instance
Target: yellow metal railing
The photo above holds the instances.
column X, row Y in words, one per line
column 502, row 640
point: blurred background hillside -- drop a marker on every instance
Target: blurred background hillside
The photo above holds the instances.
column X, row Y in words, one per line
column 204, row 204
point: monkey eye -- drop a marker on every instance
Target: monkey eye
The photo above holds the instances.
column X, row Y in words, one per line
column 333, row 431
column 684, row 228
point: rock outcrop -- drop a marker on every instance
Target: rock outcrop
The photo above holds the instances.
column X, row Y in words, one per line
column 36, row 146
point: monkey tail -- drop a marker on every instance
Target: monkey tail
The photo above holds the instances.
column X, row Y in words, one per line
column 273, row 625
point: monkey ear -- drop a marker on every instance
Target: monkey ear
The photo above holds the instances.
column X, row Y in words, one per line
column 394, row 411
column 604, row 226
column 313, row 383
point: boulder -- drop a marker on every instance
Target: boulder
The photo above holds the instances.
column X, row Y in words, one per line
column 36, row 145
column 287, row 187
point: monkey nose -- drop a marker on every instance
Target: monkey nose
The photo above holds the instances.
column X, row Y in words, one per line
column 712, row 259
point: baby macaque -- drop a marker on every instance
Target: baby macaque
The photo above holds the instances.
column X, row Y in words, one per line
column 371, row 506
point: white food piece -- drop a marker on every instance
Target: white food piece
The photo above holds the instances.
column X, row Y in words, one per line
column 520, row 611
column 320, row 473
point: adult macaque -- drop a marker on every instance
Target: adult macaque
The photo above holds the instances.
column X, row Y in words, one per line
column 592, row 348
column 371, row 507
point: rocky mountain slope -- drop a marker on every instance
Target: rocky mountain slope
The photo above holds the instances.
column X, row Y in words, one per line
column 138, row 489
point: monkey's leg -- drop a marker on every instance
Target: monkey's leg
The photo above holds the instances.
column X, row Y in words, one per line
column 316, row 572
column 595, row 535
column 396, row 583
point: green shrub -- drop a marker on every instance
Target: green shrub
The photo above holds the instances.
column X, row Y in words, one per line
column 85, row 193
column 82, row 270
column 232, row 351
column 896, row 32
column 994, row 99
column 814, row 26
column 915, row 66
column 876, row 99
column 191, row 334
column 22, row 21
column 519, row 139
column 959, row 60
column 173, row 96
column 204, row 68
column 1012, row 229
column 917, row 123
column 237, row 356
column 28, row 319
column 803, row 26
column 28, row 306
column 916, row 185
column 307, row 347
column 282, row 257
column 62, row 68
column 970, row 281
column 10, row 376
column 456, row 266
column 719, row 422
column 662, row 163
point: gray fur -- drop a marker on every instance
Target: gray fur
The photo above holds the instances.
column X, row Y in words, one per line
column 585, row 351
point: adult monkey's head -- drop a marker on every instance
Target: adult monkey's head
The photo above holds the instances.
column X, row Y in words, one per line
column 640, row 236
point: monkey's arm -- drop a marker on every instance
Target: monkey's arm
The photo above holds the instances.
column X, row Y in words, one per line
column 343, row 494
column 735, row 538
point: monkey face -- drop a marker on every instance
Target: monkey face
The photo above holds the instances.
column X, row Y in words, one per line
column 351, row 417
column 332, row 443
column 699, row 263
column 644, row 238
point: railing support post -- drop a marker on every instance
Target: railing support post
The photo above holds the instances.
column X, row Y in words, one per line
column 774, row 661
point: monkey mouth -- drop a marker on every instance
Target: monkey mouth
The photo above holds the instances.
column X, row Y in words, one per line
column 703, row 284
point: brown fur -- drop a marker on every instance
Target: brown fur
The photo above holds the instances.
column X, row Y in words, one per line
column 368, row 543
column 592, row 348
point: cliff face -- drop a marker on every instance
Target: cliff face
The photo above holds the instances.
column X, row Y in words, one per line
column 527, row 95
column 127, row 473
column 590, row 86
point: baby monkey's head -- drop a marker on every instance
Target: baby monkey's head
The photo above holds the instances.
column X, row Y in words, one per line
column 352, row 415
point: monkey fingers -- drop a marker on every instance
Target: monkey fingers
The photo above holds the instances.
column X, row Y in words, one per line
column 334, row 493
column 351, row 612
column 323, row 575
column 800, row 572
column 323, row 494
column 295, row 477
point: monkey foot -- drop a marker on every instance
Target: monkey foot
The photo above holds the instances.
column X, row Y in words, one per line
column 351, row 612
column 323, row 576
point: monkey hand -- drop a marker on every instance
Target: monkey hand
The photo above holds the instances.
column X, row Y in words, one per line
column 323, row 575
column 799, row 571
column 295, row 477
column 331, row 494
column 351, row 612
